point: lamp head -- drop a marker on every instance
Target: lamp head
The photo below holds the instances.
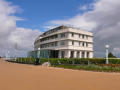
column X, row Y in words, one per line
column 107, row 46
column 38, row 48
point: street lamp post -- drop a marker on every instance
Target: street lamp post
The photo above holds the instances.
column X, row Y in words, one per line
column 107, row 47
column 16, row 48
column 7, row 55
column 73, row 62
column 48, row 56
column 38, row 56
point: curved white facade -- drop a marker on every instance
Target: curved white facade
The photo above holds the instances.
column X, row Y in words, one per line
column 69, row 42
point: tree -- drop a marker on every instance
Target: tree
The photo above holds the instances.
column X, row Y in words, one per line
column 110, row 55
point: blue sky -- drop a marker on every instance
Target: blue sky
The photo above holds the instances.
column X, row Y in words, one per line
column 37, row 13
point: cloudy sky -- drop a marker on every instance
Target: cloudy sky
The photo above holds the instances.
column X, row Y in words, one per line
column 21, row 22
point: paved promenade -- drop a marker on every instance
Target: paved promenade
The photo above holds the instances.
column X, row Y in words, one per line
column 29, row 77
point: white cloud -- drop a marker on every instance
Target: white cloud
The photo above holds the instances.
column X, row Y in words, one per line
column 84, row 7
column 103, row 20
column 11, row 34
column 78, row 21
column 116, row 51
column 49, row 27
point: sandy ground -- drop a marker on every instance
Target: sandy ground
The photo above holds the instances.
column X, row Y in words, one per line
column 28, row 77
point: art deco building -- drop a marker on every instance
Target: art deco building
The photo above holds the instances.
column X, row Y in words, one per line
column 64, row 42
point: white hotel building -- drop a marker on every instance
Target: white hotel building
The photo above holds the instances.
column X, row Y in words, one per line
column 65, row 42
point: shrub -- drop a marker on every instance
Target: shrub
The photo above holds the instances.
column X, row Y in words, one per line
column 110, row 65
column 42, row 60
column 66, row 61
column 110, row 55
column 114, row 61
column 25, row 60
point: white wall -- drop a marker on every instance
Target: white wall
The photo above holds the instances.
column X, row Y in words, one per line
column 68, row 41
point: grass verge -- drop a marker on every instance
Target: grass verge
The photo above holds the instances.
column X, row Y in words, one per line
column 91, row 67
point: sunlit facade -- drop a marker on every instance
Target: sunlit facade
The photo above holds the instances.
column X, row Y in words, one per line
column 65, row 42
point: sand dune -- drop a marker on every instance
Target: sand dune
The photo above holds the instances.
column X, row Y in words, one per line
column 29, row 77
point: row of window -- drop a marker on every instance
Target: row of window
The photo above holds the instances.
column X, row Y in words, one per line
column 72, row 35
column 49, row 38
column 84, row 44
column 54, row 30
column 77, row 54
column 62, row 35
column 80, row 36
column 54, row 44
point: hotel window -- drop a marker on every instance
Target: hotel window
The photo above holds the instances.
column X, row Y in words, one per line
column 56, row 43
column 72, row 42
column 62, row 43
column 86, row 44
column 72, row 34
column 79, row 43
column 62, row 35
column 56, row 36
column 83, row 44
column 83, row 54
column 52, row 44
column 63, row 54
column 40, row 46
column 86, row 37
column 83, row 36
column 88, row 54
column 79, row 35
column 78, row 54
column 47, row 45
column 72, row 54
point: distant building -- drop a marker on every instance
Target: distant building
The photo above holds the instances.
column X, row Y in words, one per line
column 64, row 42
